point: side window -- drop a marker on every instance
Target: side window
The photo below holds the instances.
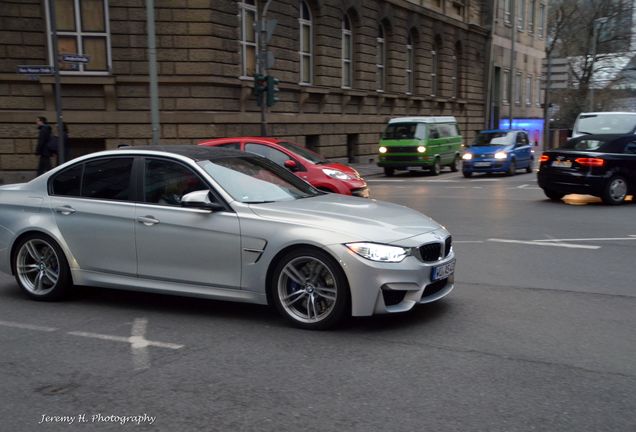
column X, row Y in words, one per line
column 165, row 182
column 453, row 130
column 522, row 139
column 270, row 153
column 433, row 132
column 232, row 146
column 630, row 148
column 107, row 178
column 68, row 182
column 444, row 130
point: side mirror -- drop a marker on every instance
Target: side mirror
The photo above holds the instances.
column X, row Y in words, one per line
column 291, row 165
column 201, row 200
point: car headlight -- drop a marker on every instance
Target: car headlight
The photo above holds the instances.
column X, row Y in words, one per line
column 337, row 174
column 501, row 155
column 379, row 252
column 467, row 156
column 421, row 149
column 382, row 150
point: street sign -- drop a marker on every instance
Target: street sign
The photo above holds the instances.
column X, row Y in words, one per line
column 36, row 70
column 268, row 27
column 75, row 58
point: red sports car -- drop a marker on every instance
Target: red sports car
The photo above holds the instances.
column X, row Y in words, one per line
column 306, row 164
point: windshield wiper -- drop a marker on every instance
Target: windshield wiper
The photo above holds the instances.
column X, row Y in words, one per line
column 257, row 202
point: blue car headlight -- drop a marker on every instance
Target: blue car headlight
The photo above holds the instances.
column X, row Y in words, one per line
column 501, row 155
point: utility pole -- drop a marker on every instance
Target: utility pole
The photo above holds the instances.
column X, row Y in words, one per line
column 152, row 71
column 513, row 55
column 61, row 144
column 261, row 64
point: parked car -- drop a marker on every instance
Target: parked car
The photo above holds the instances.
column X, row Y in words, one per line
column 306, row 164
column 420, row 142
column 606, row 122
column 599, row 165
column 498, row 151
column 220, row 224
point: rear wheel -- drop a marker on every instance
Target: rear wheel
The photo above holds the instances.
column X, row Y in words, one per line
column 553, row 195
column 615, row 191
column 455, row 165
column 467, row 174
column 389, row 172
column 436, row 169
column 41, row 269
column 310, row 289
column 530, row 165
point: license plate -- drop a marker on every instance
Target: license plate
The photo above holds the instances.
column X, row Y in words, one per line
column 562, row 164
column 443, row 271
column 482, row 164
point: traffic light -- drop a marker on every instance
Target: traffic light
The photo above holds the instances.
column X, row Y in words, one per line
column 260, row 86
column 272, row 90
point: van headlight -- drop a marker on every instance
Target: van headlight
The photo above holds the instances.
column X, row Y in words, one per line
column 337, row 174
column 379, row 252
column 467, row 156
column 382, row 150
column 501, row 155
column 421, row 149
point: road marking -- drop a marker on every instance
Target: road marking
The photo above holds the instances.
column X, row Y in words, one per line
column 523, row 186
column 27, row 326
column 631, row 237
column 544, row 243
column 125, row 339
column 139, row 344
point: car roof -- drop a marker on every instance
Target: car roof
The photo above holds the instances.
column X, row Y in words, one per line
column 242, row 138
column 442, row 119
column 194, row 152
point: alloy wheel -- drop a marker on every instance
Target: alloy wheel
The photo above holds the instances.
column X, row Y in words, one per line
column 38, row 267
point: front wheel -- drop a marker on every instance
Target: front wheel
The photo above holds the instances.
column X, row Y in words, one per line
column 389, row 172
column 553, row 195
column 615, row 191
column 436, row 169
column 41, row 269
column 310, row 289
column 512, row 168
column 467, row 174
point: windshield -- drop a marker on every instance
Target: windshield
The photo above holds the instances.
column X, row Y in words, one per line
column 304, row 152
column 254, row 180
column 398, row 131
column 605, row 124
column 494, row 138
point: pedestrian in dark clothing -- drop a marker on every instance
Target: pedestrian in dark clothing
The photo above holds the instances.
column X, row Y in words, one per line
column 42, row 149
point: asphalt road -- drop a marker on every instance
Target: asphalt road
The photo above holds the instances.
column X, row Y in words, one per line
column 538, row 335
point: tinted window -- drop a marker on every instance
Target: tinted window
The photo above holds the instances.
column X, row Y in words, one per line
column 68, row 182
column 268, row 152
column 107, row 179
column 233, row 146
column 166, row 182
column 522, row 139
column 304, row 152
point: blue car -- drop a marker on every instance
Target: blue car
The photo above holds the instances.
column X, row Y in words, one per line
column 498, row 151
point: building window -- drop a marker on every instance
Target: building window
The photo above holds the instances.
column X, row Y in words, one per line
column 539, row 92
column 380, row 59
column 249, row 37
column 505, row 87
column 347, row 53
column 410, row 64
column 457, row 72
column 507, row 8
column 82, row 28
column 521, row 15
column 541, row 25
column 306, row 44
column 529, row 92
column 532, row 16
column 435, row 66
column 517, row 88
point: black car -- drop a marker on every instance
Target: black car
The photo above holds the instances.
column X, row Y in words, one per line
column 600, row 165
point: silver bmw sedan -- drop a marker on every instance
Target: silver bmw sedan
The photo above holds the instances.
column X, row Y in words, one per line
column 220, row 224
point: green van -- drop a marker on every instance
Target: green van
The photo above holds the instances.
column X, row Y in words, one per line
column 426, row 142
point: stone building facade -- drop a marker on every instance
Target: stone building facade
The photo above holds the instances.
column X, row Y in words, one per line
column 345, row 68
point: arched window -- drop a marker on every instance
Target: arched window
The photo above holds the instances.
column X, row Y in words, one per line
column 457, row 72
column 347, row 53
column 306, row 43
column 249, row 37
column 435, row 66
column 410, row 64
column 380, row 59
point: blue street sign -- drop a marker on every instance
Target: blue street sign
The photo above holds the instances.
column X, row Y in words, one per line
column 75, row 58
column 36, row 70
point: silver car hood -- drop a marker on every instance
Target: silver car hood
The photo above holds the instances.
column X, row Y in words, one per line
column 356, row 219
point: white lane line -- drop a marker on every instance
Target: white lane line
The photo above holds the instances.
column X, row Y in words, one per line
column 544, row 243
column 125, row 339
column 631, row 237
column 523, row 186
column 27, row 326
column 139, row 344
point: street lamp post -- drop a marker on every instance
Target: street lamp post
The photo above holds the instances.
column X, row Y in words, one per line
column 596, row 24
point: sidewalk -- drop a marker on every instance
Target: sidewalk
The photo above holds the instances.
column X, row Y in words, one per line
column 367, row 169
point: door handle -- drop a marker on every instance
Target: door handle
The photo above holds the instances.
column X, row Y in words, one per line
column 65, row 210
column 147, row 220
